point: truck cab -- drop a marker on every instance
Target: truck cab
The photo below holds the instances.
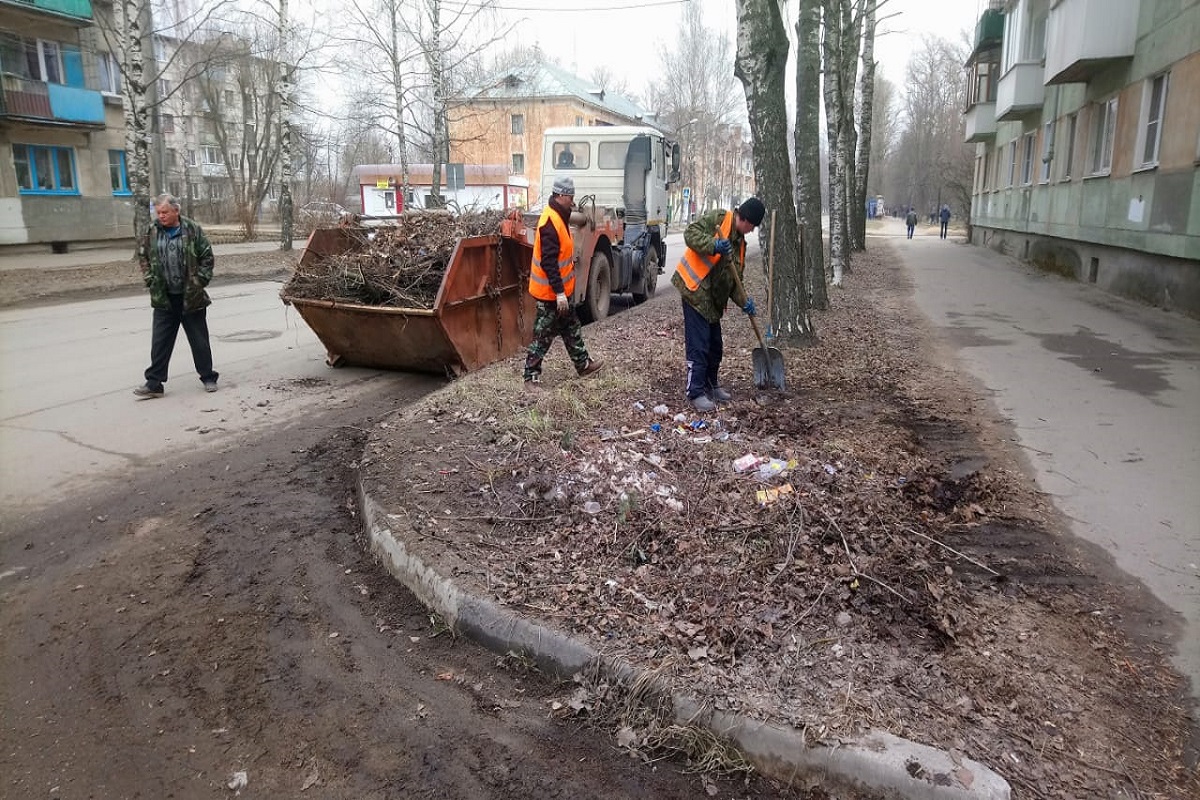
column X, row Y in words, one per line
column 622, row 176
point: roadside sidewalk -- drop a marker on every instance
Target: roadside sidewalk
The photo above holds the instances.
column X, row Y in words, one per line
column 112, row 255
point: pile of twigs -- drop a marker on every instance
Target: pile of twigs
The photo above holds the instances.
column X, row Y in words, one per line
column 399, row 265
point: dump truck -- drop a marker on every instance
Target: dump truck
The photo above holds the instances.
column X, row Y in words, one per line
column 622, row 175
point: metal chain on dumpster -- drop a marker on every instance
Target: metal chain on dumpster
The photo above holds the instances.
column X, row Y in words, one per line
column 495, row 290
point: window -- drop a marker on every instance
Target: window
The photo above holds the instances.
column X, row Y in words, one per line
column 212, row 154
column 164, row 88
column 191, row 158
column 1012, row 163
column 109, row 71
column 1154, row 103
column 172, row 158
column 229, row 98
column 1025, row 33
column 1104, row 125
column 518, row 124
column 1027, row 159
column 579, row 122
column 118, row 176
column 44, row 170
column 160, row 51
column 611, row 155
column 518, row 162
column 1069, row 161
column 1047, row 152
column 987, row 167
column 166, row 123
column 571, row 155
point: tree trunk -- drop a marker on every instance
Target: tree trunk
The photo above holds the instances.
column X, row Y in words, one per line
column 833, row 123
column 760, row 64
column 285, row 131
column 808, row 151
column 850, row 35
column 866, row 113
column 133, row 20
column 398, row 97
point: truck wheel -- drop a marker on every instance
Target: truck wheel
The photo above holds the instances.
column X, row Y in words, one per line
column 599, row 289
column 649, row 276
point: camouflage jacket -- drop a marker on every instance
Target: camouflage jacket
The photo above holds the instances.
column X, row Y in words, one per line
column 198, row 266
column 717, row 288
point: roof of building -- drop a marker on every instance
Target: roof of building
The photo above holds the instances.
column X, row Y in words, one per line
column 540, row 79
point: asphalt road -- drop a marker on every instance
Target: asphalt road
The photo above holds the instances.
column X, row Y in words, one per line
column 1103, row 395
column 67, row 415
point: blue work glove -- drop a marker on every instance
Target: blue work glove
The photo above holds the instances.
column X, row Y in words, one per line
column 749, row 307
column 721, row 246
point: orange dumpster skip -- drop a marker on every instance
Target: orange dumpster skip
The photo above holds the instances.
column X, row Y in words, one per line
column 483, row 311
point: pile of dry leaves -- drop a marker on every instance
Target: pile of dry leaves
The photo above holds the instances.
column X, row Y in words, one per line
column 400, row 264
column 858, row 552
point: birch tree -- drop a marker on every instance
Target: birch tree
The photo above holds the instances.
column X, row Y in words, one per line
column 808, row 151
column 133, row 23
column 840, row 49
column 760, row 64
column 286, row 86
column 866, row 106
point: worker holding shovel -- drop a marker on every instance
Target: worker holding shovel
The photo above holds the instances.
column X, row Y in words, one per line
column 707, row 278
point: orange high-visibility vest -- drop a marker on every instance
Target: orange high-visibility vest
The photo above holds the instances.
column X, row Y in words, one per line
column 694, row 267
column 539, row 284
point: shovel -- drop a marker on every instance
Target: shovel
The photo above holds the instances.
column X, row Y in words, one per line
column 768, row 362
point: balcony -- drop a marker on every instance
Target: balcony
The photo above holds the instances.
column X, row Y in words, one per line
column 1084, row 36
column 50, row 103
column 1019, row 92
column 74, row 10
column 980, row 123
column 989, row 32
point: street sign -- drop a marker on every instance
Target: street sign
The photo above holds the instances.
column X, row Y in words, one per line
column 687, row 192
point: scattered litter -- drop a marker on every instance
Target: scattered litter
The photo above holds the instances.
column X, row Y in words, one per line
column 745, row 463
column 591, row 507
column 773, row 467
column 637, row 406
column 680, row 417
column 766, row 497
column 662, row 410
column 238, row 781
column 656, row 427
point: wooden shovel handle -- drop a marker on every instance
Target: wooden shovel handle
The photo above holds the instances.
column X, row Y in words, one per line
column 753, row 323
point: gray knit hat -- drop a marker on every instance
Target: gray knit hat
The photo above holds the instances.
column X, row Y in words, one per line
column 564, row 186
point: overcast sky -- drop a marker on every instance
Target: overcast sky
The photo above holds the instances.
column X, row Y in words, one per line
column 630, row 35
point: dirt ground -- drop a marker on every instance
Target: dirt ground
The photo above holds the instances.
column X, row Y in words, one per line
column 216, row 618
column 899, row 570
column 167, row 636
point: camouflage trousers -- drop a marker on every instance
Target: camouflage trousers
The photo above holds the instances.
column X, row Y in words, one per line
column 548, row 325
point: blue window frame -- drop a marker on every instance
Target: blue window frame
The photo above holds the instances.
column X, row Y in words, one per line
column 45, row 170
column 117, row 173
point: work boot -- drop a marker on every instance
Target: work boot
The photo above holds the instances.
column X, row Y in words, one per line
column 148, row 392
column 210, row 386
column 590, row 367
column 533, row 383
column 720, row 395
column 702, row 404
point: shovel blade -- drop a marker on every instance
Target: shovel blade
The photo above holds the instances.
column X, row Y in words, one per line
column 768, row 368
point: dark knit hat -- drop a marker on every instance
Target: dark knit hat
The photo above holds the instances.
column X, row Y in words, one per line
column 564, row 186
column 752, row 210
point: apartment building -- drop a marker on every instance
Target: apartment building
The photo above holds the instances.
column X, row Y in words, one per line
column 500, row 121
column 63, row 175
column 1086, row 119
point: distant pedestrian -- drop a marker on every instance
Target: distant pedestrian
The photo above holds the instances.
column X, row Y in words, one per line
column 945, row 217
column 716, row 247
column 552, row 282
column 177, row 263
column 911, row 221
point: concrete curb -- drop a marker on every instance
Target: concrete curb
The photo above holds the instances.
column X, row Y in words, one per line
column 879, row 762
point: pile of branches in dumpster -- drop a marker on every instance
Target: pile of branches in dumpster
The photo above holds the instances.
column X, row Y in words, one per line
column 398, row 265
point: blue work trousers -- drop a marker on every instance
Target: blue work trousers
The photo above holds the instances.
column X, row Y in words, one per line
column 704, row 348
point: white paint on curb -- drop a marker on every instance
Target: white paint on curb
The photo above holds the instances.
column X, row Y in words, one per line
column 878, row 762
